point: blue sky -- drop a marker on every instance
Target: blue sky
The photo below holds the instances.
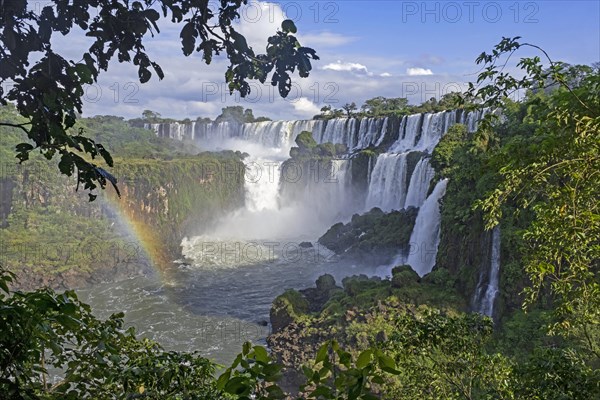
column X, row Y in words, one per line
column 413, row 49
column 455, row 30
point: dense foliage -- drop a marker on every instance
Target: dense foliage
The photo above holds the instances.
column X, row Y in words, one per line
column 52, row 347
column 386, row 107
column 554, row 172
column 307, row 148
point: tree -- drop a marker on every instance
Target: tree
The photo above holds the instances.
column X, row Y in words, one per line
column 555, row 173
column 305, row 141
column 327, row 112
column 49, row 92
column 350, row 108
column 248, row 115
column 236, row 114
column 150, row 116
column 450, row 100
column 378, row 106
column 326, row 109
column 373, row 106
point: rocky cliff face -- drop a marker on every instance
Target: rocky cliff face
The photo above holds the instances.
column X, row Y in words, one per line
column 51, row 235
column 374, row 236
column 167, row 200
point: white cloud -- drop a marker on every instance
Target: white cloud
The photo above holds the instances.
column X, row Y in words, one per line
column 324, row 39
column 385, row 74
column 305, row 108
column 349, row 67
column 418, row 71
column 258, row 21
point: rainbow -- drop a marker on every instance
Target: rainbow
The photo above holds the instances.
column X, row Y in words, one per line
column 148, row 240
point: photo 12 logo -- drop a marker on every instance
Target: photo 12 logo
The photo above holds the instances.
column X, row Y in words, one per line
column 241, row 252
column 126, row 93
column 318, row 92
column 317, row 12
column 61, row 253
column 453, row 12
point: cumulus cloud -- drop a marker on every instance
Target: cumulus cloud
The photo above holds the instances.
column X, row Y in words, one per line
column 305, row 108
column 258, row 21
column 385, row 74
column 418, row 71
column 347, row 67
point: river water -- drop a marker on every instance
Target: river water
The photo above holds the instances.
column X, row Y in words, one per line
column 221, row 296
column 204, row 307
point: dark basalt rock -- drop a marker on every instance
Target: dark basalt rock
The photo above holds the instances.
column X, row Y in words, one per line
column 317, row 297
column 375, row 236
column 404, row 275
column 291, row 304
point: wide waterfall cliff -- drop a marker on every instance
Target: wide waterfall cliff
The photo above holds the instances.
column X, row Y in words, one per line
column 373, row 163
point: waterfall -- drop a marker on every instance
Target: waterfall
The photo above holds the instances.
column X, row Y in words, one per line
column 419, row 184
column 396, row 179
column 382, row 132
column 324, row 190
column 369, row 170
column 214, row 131
column 386, row 187
column 416, row 132
column 340, row 177
column 407, row 133
column 338, row 189
column 338, row 130
column 425, row 237
column 277, row 134
column 262, row 184
column 485, row 295
column 431, row 132
column 370, row 131
column 173, row 130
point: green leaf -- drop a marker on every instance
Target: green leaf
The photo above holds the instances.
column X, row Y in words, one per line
column 260, row 354
column 386, row 361
column 322, row 353
column 246, row 348
column 223, row 379
column 238, row 386
column 364, row 359
column 288, row 26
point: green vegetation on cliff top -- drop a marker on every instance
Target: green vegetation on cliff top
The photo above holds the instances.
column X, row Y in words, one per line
column 48, row 228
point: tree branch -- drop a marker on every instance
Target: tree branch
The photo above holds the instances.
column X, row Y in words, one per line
column 20, row 126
